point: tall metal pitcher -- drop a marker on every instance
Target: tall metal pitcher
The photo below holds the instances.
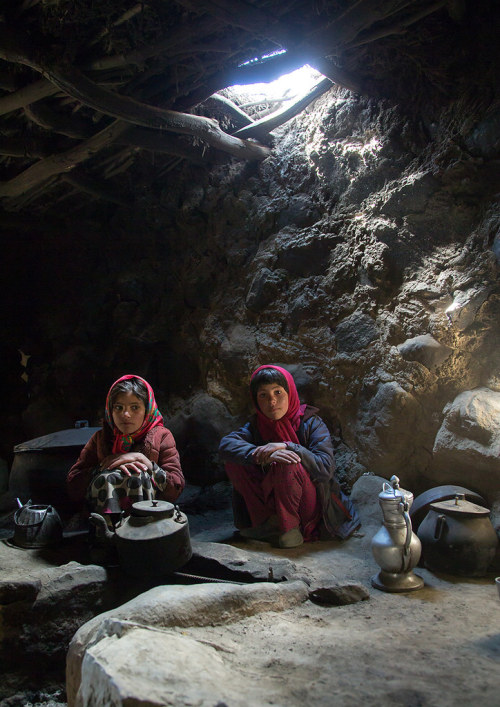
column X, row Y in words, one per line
column 395, row 547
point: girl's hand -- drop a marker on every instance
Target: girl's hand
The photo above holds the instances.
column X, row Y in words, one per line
column 285, row 456
column 128, row 463
column 262, row 454
column 275, row 452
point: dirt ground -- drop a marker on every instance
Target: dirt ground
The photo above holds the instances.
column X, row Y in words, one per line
column 435, row 647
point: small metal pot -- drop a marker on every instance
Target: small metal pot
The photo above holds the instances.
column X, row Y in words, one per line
column 37, row 526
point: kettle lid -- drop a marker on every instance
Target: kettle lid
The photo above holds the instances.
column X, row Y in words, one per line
column 458, row 506
column 153, row 507
column 391, row 491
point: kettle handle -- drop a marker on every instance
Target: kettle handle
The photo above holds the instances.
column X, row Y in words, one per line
column 37, row 522
column 404, row 506
column 440, row 526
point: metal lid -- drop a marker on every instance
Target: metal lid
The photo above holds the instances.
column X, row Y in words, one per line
column 392, row 492
column 458, row 506
column 148, row 508
column 74, row 437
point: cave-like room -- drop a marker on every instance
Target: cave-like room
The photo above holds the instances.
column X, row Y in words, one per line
column 250, row 336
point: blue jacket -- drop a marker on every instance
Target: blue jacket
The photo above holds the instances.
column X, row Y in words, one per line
column 316, row 452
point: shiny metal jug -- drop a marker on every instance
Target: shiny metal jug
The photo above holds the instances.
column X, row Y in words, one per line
column 395, row 547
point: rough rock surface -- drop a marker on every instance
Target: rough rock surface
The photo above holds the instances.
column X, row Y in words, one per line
column 467, row 445
column 128, row 662
column 366, row 230
column 198, row 605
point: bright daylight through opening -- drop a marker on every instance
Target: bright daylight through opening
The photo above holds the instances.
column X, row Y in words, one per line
column 274, row 94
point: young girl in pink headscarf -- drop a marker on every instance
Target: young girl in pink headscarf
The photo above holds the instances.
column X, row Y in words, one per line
column 281, row 466
column 132, row 458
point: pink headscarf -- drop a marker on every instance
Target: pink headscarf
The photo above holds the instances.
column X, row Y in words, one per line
column 283, row 430
column 152, row 418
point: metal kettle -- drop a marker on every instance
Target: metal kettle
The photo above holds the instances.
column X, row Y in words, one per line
column 37, row 526
column 152, row 541
column 458, row 538
column 395, row 547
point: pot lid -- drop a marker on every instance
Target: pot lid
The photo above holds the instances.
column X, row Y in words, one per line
column 148, row 508
column 458, row 506
column 74, row 437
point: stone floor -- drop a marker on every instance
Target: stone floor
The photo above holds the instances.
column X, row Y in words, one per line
column 435, row 647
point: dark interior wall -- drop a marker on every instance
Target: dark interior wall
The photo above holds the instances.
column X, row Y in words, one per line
column 333, row 256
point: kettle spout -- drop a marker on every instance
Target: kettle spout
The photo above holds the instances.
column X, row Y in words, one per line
column 102, row 530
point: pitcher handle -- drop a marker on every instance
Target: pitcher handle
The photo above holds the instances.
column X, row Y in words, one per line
column 406, row 549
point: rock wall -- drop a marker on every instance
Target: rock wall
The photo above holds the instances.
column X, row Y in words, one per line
column 363, row 255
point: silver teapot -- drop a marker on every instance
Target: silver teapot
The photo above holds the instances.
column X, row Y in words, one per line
column 395, row 547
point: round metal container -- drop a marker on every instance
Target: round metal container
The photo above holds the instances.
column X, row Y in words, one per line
column 37, row 526
column 154, row 540
column 41, row 465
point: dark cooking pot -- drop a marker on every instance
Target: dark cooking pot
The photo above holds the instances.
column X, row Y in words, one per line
column 153, row 541
column 458, row 537
column 37, row 526
column 41, row 465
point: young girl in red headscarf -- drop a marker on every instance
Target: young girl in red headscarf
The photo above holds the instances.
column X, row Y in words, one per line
column 133, row 458
column 281, row 465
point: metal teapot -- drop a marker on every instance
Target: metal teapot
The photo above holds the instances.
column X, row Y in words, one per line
column 395, row 547
column 153, row 541
column 36, row 526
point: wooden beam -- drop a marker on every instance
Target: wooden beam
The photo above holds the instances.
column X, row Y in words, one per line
column 228, row 108
column 74, row 126
column 264, row 126
column 26, row 95
column 71, row 81
column 167, row 47
column 155, row 141
column 63, row 162
column 237, row 13
column 24, row 147
column 95, row 187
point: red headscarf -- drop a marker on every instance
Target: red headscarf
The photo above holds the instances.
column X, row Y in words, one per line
column 283, row 430
column 152, row 418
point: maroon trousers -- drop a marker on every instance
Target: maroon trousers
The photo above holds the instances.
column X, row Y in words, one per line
column 285, row 490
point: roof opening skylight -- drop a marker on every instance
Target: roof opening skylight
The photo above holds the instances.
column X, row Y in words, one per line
column 288, row 87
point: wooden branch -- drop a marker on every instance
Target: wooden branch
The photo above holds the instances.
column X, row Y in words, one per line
column 155, row 141
column 45, row 117
column 219, row 103
column 237, row 13
column 23, row 147
column 62, row 162
column 399, row 27
column 168, row 46
column 125, row 17
column 75, row 84
column 26, row 95
column 264, row 126
column 95, row 187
